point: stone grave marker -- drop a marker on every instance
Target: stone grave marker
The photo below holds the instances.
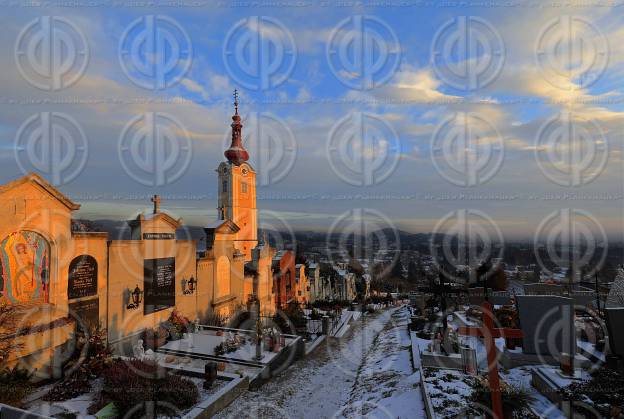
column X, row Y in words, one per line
column 548, row 324
column 615, row 322
column 543, row 289
column 476, row 295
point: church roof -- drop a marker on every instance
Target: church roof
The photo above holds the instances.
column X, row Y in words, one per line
column 42, row 183
column 236, row 154
column 223, row 226
column 166, row 217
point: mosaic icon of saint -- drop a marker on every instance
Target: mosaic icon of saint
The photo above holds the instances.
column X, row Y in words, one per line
column 25, row 267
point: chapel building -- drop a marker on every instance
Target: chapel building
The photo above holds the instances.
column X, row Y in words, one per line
column 62, row 278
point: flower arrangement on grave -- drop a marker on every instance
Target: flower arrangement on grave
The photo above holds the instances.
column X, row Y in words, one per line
column 231, row 344
column 507, row 317
column 516, row 400
column 607, row 403
column 15, row 385
column 219, row 350
column 291, row 318
column 474, row 313
column 97, row 358
column 129, row 384
column 270, row 335
column 315, row 315
column 177, row 325
column 155, row 338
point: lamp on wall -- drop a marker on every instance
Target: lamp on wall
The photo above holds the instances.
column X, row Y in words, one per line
column 136, row 298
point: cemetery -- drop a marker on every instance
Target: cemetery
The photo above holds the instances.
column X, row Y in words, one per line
column 542, row 353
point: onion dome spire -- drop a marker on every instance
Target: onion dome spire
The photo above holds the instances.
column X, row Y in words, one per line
column 236, row 153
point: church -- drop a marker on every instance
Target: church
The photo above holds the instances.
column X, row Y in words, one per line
column 60, row 279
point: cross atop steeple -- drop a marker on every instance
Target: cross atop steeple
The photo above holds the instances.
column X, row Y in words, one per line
column 236, row 153
column 156, row 200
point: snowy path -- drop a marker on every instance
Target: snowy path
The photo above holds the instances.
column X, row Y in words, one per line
column 332, row 381
column 386, row 386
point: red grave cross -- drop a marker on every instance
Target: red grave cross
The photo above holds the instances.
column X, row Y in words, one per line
column 488, row 332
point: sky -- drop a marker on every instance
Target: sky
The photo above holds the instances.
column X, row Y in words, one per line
column 414, row 113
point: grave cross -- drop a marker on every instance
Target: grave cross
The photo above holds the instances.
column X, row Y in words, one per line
column 488, row 333
column 156, row 200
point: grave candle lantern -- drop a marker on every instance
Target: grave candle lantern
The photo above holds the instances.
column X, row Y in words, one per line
column 136, row 298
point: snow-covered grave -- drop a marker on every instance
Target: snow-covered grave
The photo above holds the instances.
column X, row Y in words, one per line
column 195, row 349
column 210, row 399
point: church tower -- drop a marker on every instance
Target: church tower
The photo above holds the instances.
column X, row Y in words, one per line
column 237, row 189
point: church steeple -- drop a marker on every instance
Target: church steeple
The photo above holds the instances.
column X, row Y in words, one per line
column 236, row 153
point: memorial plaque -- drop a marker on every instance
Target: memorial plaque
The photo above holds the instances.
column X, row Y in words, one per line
column 158, row 236
column 159, row 284
column 86, row 313
column 82, row 281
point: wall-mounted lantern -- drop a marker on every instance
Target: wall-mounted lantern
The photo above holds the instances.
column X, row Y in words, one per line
column 135, row 297
column 191, row 284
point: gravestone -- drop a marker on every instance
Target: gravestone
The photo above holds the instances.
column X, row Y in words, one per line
column 615, row 320
column 417, row 299
column 614, row 314
column 476, row 295
column 82, row 279
column 86, row 313
column 543, row 289
column 159, row 284
column 548, row 324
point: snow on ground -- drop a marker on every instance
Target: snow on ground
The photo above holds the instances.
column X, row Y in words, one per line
column 322, row 385
column 449, row 391
column 521, row 377
column 386, row 385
